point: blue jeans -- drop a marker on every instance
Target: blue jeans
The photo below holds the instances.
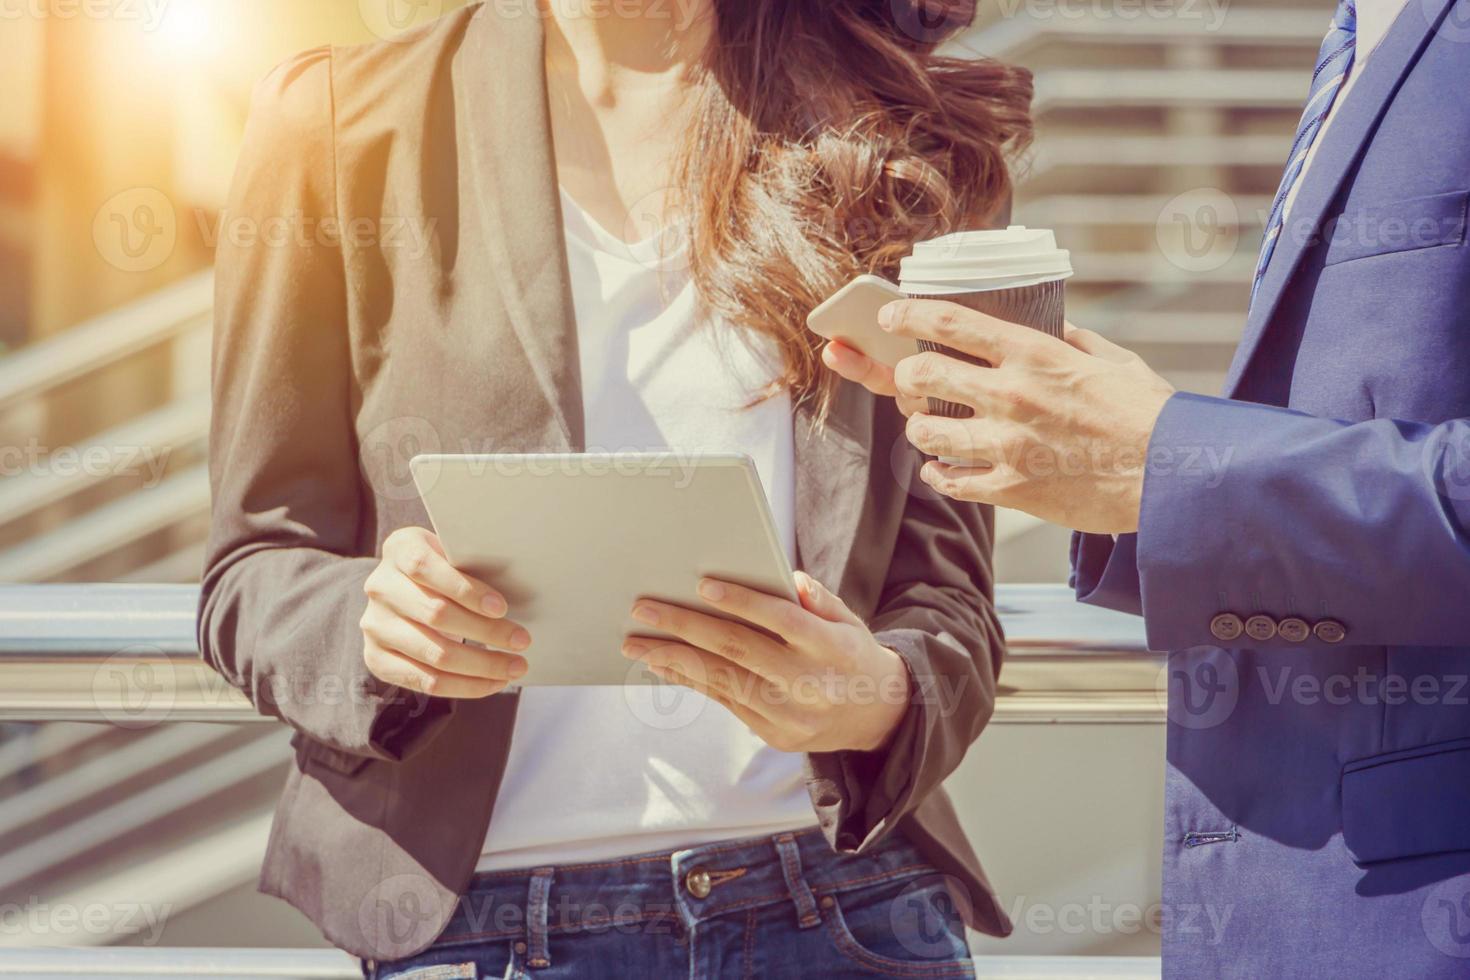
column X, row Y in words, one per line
column 768, row 907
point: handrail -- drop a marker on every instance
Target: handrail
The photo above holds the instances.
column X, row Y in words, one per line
column 126, row 654
column 105, row 339
column 331, row 964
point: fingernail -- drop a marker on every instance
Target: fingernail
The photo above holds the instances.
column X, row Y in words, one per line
column 646, row 615
column 633, row 649
column 518, row 669
column 520, row 639
column 712, row 590
column 493, row 605
column 888, row 315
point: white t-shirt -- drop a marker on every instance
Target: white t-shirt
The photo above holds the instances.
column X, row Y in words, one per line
column 604, row 772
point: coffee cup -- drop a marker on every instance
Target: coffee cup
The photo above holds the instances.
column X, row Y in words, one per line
column 1017, row 274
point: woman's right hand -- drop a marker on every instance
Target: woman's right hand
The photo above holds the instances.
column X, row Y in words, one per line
column 873, row 375
column 420, row 611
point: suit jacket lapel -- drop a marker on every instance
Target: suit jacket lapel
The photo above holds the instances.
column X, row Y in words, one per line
column 832, row 474
column 1343, row 145
column 509, row 129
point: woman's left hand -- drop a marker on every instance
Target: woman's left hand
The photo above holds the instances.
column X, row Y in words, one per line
column 830, row 686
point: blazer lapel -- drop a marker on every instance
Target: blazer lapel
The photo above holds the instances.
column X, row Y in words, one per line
column 1343, row 145
column 832, row 474
column 509, row 130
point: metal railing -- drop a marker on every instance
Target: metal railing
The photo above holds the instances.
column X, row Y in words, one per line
column 315, row 963
column 126, row 654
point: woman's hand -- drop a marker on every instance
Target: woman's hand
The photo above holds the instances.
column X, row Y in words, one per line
column 420, row 611
column 873, row 375
column 830, row 686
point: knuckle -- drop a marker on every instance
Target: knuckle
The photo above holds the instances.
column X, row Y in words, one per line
column 373, row 659
column 430, row 683
column 914, row 373
column 723, row 680
column 946, row 323
column 804, row 733
column 903, row 315
column 434, row 654
column 731, row 648
column 789, row 741
column 925, row 367
column 416, row 562
column 1013, row 396
column 791, row 619
column 436, row 611
column 402, row 539
column 372, row 586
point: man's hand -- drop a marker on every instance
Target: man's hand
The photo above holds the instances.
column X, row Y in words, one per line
column 1061, row 427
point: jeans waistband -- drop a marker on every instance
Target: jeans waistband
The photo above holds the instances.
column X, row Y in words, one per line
column 671, row 890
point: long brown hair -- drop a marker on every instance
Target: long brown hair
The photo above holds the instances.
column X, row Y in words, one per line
column 828, row 137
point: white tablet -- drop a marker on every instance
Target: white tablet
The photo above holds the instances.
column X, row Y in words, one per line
column 573, row 540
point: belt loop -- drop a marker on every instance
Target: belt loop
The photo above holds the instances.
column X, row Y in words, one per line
column 538, row 954
column 801, row 893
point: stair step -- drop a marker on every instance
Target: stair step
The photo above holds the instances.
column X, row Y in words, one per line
column 108, row 528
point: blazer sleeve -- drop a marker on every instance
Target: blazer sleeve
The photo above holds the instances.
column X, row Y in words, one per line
column 937, row 611
column 282, row 590
column 1250, row 508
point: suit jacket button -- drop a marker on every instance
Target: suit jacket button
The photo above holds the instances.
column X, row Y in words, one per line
column 1330, row 631
column 1227, row 627
column 1260, row 628
column 1294, row 630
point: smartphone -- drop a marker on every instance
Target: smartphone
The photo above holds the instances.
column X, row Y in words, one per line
column 850, row 315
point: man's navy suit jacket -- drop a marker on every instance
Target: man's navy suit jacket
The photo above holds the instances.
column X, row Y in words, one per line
column 1317, row 817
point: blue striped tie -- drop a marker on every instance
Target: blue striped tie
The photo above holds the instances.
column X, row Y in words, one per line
column 1333, row 65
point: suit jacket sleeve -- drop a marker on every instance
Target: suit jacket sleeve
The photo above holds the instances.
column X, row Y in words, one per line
column 1251, row 508
column 284, row 570
column 937, row 612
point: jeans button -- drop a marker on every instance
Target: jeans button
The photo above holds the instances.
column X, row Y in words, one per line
column 698, row 883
